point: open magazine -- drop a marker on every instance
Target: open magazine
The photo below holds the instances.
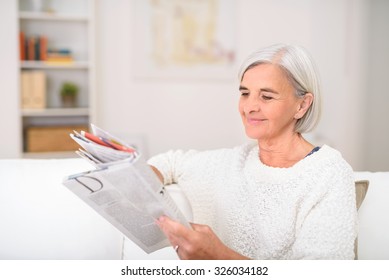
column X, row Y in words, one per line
column 123, row 189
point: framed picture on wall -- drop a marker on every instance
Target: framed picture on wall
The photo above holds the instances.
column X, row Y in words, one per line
column 184, row 38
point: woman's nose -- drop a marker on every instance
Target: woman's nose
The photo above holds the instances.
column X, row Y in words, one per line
column 252, row 105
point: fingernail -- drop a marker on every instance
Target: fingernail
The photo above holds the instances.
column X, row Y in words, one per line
column 159, row 221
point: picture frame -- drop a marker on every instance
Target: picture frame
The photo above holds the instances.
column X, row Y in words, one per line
column 188, row 39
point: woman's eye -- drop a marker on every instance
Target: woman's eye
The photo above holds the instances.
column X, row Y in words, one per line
column 265, row 97
column 243, row 93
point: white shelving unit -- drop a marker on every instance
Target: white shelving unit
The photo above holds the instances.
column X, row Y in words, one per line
column 42, row 65
column 66, row 24
column 55, row 112
column 50, row 16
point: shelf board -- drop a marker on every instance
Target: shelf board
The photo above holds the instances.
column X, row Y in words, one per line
column 52, row 112
column 25, row 64
column 47, row 155
column 27, row 15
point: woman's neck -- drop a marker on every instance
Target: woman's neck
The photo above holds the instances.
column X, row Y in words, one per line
column 284, row 152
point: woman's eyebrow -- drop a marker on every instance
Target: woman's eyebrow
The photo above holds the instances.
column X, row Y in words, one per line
column 261, row 89
column 269, row 90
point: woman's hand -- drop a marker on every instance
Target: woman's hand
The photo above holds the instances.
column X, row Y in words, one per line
column 198, row 243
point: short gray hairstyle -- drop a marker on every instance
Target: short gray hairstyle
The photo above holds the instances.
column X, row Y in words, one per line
column 299, row 69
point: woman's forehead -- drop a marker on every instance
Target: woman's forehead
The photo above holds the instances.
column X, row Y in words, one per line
column 270, row 74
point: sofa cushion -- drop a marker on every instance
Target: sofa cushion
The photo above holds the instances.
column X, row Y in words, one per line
column 361, row 187
column 42, row 219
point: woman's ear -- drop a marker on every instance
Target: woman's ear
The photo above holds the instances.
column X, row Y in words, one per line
column 305, row 103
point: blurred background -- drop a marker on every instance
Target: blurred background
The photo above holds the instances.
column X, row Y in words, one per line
column 163, row 74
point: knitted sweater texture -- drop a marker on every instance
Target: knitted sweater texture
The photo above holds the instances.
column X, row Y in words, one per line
column 307, row 211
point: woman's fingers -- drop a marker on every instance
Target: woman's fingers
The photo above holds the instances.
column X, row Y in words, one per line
column 201, row 228
column 192, row 243
column 199, row 242
column 170, row 227
column 175, row 231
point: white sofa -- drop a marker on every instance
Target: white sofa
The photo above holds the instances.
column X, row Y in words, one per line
column 41, row 219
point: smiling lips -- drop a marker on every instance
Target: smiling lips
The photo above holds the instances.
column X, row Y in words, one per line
column 255, row 121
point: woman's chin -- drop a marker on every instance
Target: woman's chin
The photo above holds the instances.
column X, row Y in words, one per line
column 254, row 135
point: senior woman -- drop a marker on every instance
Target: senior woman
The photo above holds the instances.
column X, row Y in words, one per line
column 279, row 198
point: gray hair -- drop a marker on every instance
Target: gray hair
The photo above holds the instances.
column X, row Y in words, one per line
column 299, row 69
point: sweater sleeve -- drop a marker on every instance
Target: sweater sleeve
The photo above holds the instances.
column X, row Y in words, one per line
column 328, row 228
column 171, row 164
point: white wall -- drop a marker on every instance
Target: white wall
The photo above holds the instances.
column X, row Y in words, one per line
column 9, row 93
column 203, row 114
column 377, row 90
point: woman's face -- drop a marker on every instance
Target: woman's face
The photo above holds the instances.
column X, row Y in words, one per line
column 268, row 104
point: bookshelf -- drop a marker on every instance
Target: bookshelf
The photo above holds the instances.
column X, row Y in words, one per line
column 56, row 41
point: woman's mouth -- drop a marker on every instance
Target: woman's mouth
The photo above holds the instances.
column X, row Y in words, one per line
column 255, row 121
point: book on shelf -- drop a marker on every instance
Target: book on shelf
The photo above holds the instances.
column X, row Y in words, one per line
column 31, row 45
column 124, row 189
column 33, row 89
column 22, row 46
column 59, row 56
column 43, row 48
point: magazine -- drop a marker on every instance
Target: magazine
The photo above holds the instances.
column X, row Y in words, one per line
column 123, row 189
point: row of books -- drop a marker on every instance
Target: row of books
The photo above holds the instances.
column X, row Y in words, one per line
column 36, row 48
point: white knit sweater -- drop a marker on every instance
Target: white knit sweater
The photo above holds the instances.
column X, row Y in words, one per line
column 307, row 211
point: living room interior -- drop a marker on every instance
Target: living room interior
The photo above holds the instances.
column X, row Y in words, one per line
column 184, row 107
